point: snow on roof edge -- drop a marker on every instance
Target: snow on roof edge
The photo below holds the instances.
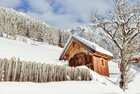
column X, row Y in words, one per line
column 93, row 45
column 88, row 43
column 66, row 46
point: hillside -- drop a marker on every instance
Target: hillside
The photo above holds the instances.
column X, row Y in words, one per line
column 30, row 51
column 45, row 53
column 15, row 23
column 35, row 40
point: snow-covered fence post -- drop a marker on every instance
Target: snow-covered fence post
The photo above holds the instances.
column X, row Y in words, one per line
column 47, row 73
column 88, row 75
column 26, row 71
column 75, row 73
column 9, row 73
column 36, row 73
column 64, row 73
column 50, row 73
column 22, row 71
column 0, row 69
column 41, row 76
column 79, row 75
column 71, row 73
column 60, row 73
column 30, row 71
column 40, row 72
column 54, row 72
column 16, row 70
column 57, row 73
column 68, row 77
column 43, row 72
column 3, row 69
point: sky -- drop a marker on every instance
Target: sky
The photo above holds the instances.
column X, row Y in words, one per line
column 59, row 13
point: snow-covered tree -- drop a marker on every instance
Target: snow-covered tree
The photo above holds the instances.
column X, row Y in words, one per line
column 13, row 23
column 122, row 27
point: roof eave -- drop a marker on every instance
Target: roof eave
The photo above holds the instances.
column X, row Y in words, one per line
column 65, row 48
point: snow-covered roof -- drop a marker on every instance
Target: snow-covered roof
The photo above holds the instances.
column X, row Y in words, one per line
column 94, row 46
column 90, row 44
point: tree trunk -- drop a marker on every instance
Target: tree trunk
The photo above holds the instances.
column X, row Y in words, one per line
column 122, row 69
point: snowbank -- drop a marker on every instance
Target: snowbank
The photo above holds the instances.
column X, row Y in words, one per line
column 133, row 87
column 113, row 71
column 67, row 87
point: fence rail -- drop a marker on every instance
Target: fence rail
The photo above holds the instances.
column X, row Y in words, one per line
column 23, row 71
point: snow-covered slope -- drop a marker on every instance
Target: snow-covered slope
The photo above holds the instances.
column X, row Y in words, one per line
column 43, row 53
column 15, row 13
column 15, row 23
column 113, row 71
column 133, row 87
column 67, row 87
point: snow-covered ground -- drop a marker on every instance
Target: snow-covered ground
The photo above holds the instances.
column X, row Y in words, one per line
column 66, row 87
column 113, row 71
column 30, row 51
column 133, row 87
column 42, row 52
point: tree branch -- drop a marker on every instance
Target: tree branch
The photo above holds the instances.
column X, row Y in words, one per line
column 109, row 33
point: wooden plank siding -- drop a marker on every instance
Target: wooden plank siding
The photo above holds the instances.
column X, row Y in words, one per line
column 77, row 51
column 107, row 68
column 75, row 48
column 103, row 70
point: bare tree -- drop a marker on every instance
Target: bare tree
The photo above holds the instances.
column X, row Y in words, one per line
column 123, row 28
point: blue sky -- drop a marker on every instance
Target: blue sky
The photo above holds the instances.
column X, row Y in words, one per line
column 59, row 13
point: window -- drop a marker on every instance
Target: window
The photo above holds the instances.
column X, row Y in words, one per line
column 102, row 62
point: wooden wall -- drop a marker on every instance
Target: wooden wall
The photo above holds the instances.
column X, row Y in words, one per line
column 81, row 59
column 75, row 48
column 79, row 55
column 99, row 67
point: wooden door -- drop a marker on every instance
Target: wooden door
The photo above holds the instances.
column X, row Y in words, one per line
column 81, row 59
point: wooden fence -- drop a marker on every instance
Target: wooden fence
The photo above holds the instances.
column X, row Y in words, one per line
column 22, row 71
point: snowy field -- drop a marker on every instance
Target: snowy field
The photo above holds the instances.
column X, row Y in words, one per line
column 30, row 51
column 41, row 52
column 134, row 87
column 68, row 87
